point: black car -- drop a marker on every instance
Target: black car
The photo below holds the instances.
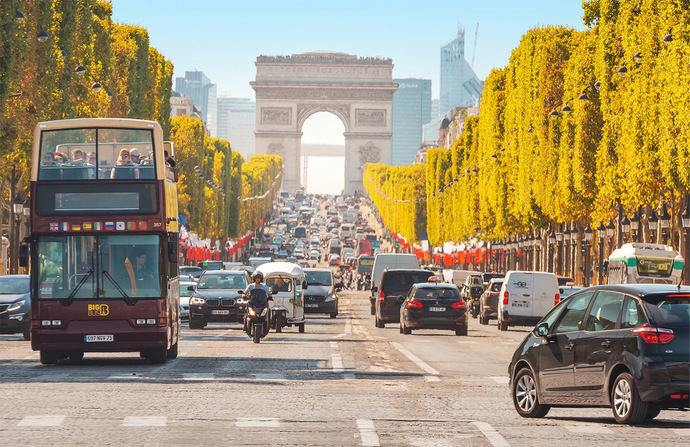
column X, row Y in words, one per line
column 321, row 297
column 488, row 303
column 216, row 298
column 620, row 346
column 433, row 306
column 191, row 270
column 15, row 305
column 395, row 285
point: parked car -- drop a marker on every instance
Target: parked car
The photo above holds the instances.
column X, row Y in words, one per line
column 15, row 305
column 433, row 306
column 320, row 296
column 488, row 303
column 525, row 298
column 216, row 298
column 621, row 346
column 395, row 285
column 186, row 292
column 387, row 261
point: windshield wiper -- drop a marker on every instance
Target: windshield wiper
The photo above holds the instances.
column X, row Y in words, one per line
column 128, row 299
column 67, row 301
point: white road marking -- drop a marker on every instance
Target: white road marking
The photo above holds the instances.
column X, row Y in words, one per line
column 501, row 380
column 145, row 421
column 339, row 336
column 130, row 376
column 42, row 421
column 349, row 376
column 465, row 342
column 336, row 359
column 270, row 376
column 432, row 379
column 257, row 422
column 348, row 326
column 198, row 376
column 417, row 361
column 367, row 433
column 589, row 428
column 491, row 434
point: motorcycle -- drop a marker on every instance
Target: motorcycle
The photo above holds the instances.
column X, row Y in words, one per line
column 474, row 307
column 257, row 315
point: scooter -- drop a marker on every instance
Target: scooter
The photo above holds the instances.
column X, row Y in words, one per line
column 257, row 315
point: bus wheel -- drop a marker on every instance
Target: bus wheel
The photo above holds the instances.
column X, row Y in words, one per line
column 172, row 352
column 158, row 355
column 75, row 356
column 300, row 327
column 49, row 357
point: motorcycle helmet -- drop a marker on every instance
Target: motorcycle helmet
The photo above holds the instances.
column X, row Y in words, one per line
column 257, row 275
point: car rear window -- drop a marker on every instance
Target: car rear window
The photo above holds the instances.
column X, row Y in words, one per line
column 400, row 282
column 496, row 286
column 671, row 310
column 434, row 294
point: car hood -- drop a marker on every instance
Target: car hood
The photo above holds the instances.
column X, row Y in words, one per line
column 216, row 293
column 318, row 290
column 12, row 297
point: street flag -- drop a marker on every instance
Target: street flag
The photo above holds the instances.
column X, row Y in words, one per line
column 109, row 226
column 120, row 226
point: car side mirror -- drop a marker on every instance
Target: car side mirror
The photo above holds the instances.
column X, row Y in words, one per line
column 191, row 288
column 543, row 329
column 24, row 255
column 241, row 292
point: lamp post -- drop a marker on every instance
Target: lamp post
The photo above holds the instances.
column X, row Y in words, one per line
column 17, row 211
column 552, row 242
column 635, row 226
column 559, row 249
column 586, row 265
column 574, row 236
column 567, row 246
column 652, row 221
column 601, row 234
column 625, row 228
column 686, row 225
column 664, row 220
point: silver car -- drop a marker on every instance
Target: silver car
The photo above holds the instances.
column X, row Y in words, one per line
column 185, row 293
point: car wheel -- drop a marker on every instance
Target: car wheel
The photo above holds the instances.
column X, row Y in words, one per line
column 300, row 328
column 626, row 404
column 380, row 324
column 50, row 357
column 172, row 352
column 27, row 333
column 525, row 396
column 407, row 330
column 373, row 309
column 461, row 331
column 502, row 326
column 194, row 324
column 334, row 314
column 652, row 412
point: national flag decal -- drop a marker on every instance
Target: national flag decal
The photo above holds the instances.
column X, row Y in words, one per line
column 120, row 226
column 65, row 226
column 86, row 226
column 76, row 227
column 97, row 226
column 54, row 226
column 131, row 225
column 142, row 224
column 109, row 226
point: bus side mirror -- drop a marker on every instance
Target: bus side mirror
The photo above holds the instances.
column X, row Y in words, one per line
column 24, row 255
column 172, row 251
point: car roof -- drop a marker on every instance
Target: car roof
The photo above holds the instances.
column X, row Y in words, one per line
column 318, row 270
column 433, row 285
column 642, row 290
column 407, row 271
column 224, row 272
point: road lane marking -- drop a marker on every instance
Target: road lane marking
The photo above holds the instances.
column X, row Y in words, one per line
column 270, row 376
column 501, row 380
column 131, row 376
column 336, row 359
column 589, row 428
column 491, row 434
column 198, row 376
column 417, row 361
column 258, row 422
column 42, row 421
column 145, row 421
column 432, row 379
column 349, row 376
column 348, row 326
column 367, row 433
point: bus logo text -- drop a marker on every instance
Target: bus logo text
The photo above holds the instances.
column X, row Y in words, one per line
column 98, row 310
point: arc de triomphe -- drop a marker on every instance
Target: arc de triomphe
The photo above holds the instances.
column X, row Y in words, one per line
column 357, row 90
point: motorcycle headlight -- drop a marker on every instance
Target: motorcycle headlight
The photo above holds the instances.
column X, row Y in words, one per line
column 263, row 313
column 252, row 312
column 16, row 305
column 197, row 300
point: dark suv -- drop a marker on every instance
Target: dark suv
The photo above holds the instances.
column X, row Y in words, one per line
column 216, row 298
column 621, row 346
column 488, row 303
column 395, row 284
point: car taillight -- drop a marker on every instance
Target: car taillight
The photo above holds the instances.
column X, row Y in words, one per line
column 381, row 296
column 505, row 297
column 556, row 299
column 413, row 304
column 654, row 335
column 458, row 305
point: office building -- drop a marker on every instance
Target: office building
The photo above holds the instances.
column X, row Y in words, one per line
column 197, row 87
column 236, row 122
column 411, row 110
column 460, row 86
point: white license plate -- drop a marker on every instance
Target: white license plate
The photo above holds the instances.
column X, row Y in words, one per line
column 220, row 312
column 311, row 305
column 437, row 309
column 98, row 338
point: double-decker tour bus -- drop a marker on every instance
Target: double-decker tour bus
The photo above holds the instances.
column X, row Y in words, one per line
column 104, row 240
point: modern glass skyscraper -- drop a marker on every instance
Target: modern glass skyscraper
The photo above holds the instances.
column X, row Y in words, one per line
column 411, row 110
column 459, row 84
column 236, row 122
column 197, row 87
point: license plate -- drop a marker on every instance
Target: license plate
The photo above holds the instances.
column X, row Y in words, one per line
column 311, row 305
column 220, row 312
column 437, row 309
column 98, row 338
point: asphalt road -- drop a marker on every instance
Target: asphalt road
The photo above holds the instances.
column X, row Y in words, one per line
column 342, row 382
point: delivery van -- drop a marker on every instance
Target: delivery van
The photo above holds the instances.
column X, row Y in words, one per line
column 389, row 261
column 525, row 298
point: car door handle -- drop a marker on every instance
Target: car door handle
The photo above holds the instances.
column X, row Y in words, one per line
column 606, row 343
column 569, row 346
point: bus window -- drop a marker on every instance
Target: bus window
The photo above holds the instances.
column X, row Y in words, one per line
column 66, row 154
column 127, row 152
column 654, row 267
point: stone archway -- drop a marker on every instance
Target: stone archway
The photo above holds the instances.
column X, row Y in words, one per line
column 359, row 91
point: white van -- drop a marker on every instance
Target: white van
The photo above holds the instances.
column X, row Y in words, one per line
column 388, row 261
column 525, row 297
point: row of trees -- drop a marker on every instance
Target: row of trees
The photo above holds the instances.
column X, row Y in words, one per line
column 576, row 126
column 52, row 53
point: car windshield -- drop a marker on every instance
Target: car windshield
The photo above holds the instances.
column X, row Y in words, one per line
column 672, row 310
column 190, row 270
column 98, row 266
column 13, row 285
column 400, row 282
column 232, row 281
column 437, row 293
column 319, row 278
column 184, row 289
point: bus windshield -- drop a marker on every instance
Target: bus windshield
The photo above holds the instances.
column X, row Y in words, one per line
column 96, row 154
column 98, row 267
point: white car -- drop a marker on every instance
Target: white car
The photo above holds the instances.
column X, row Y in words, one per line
column 314, row 254
column 525, row 298
column 185, row 294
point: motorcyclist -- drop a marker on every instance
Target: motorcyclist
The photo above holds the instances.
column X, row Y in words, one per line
column 257, row 283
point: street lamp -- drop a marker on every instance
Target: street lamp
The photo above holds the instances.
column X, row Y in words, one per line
column 664, row 218
column 625, row 225
column 586, row 263
column 601, row 234
column 19, row 16
column 96, row 86
column 42, row 36
column 652, row 220
column 80, row 70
